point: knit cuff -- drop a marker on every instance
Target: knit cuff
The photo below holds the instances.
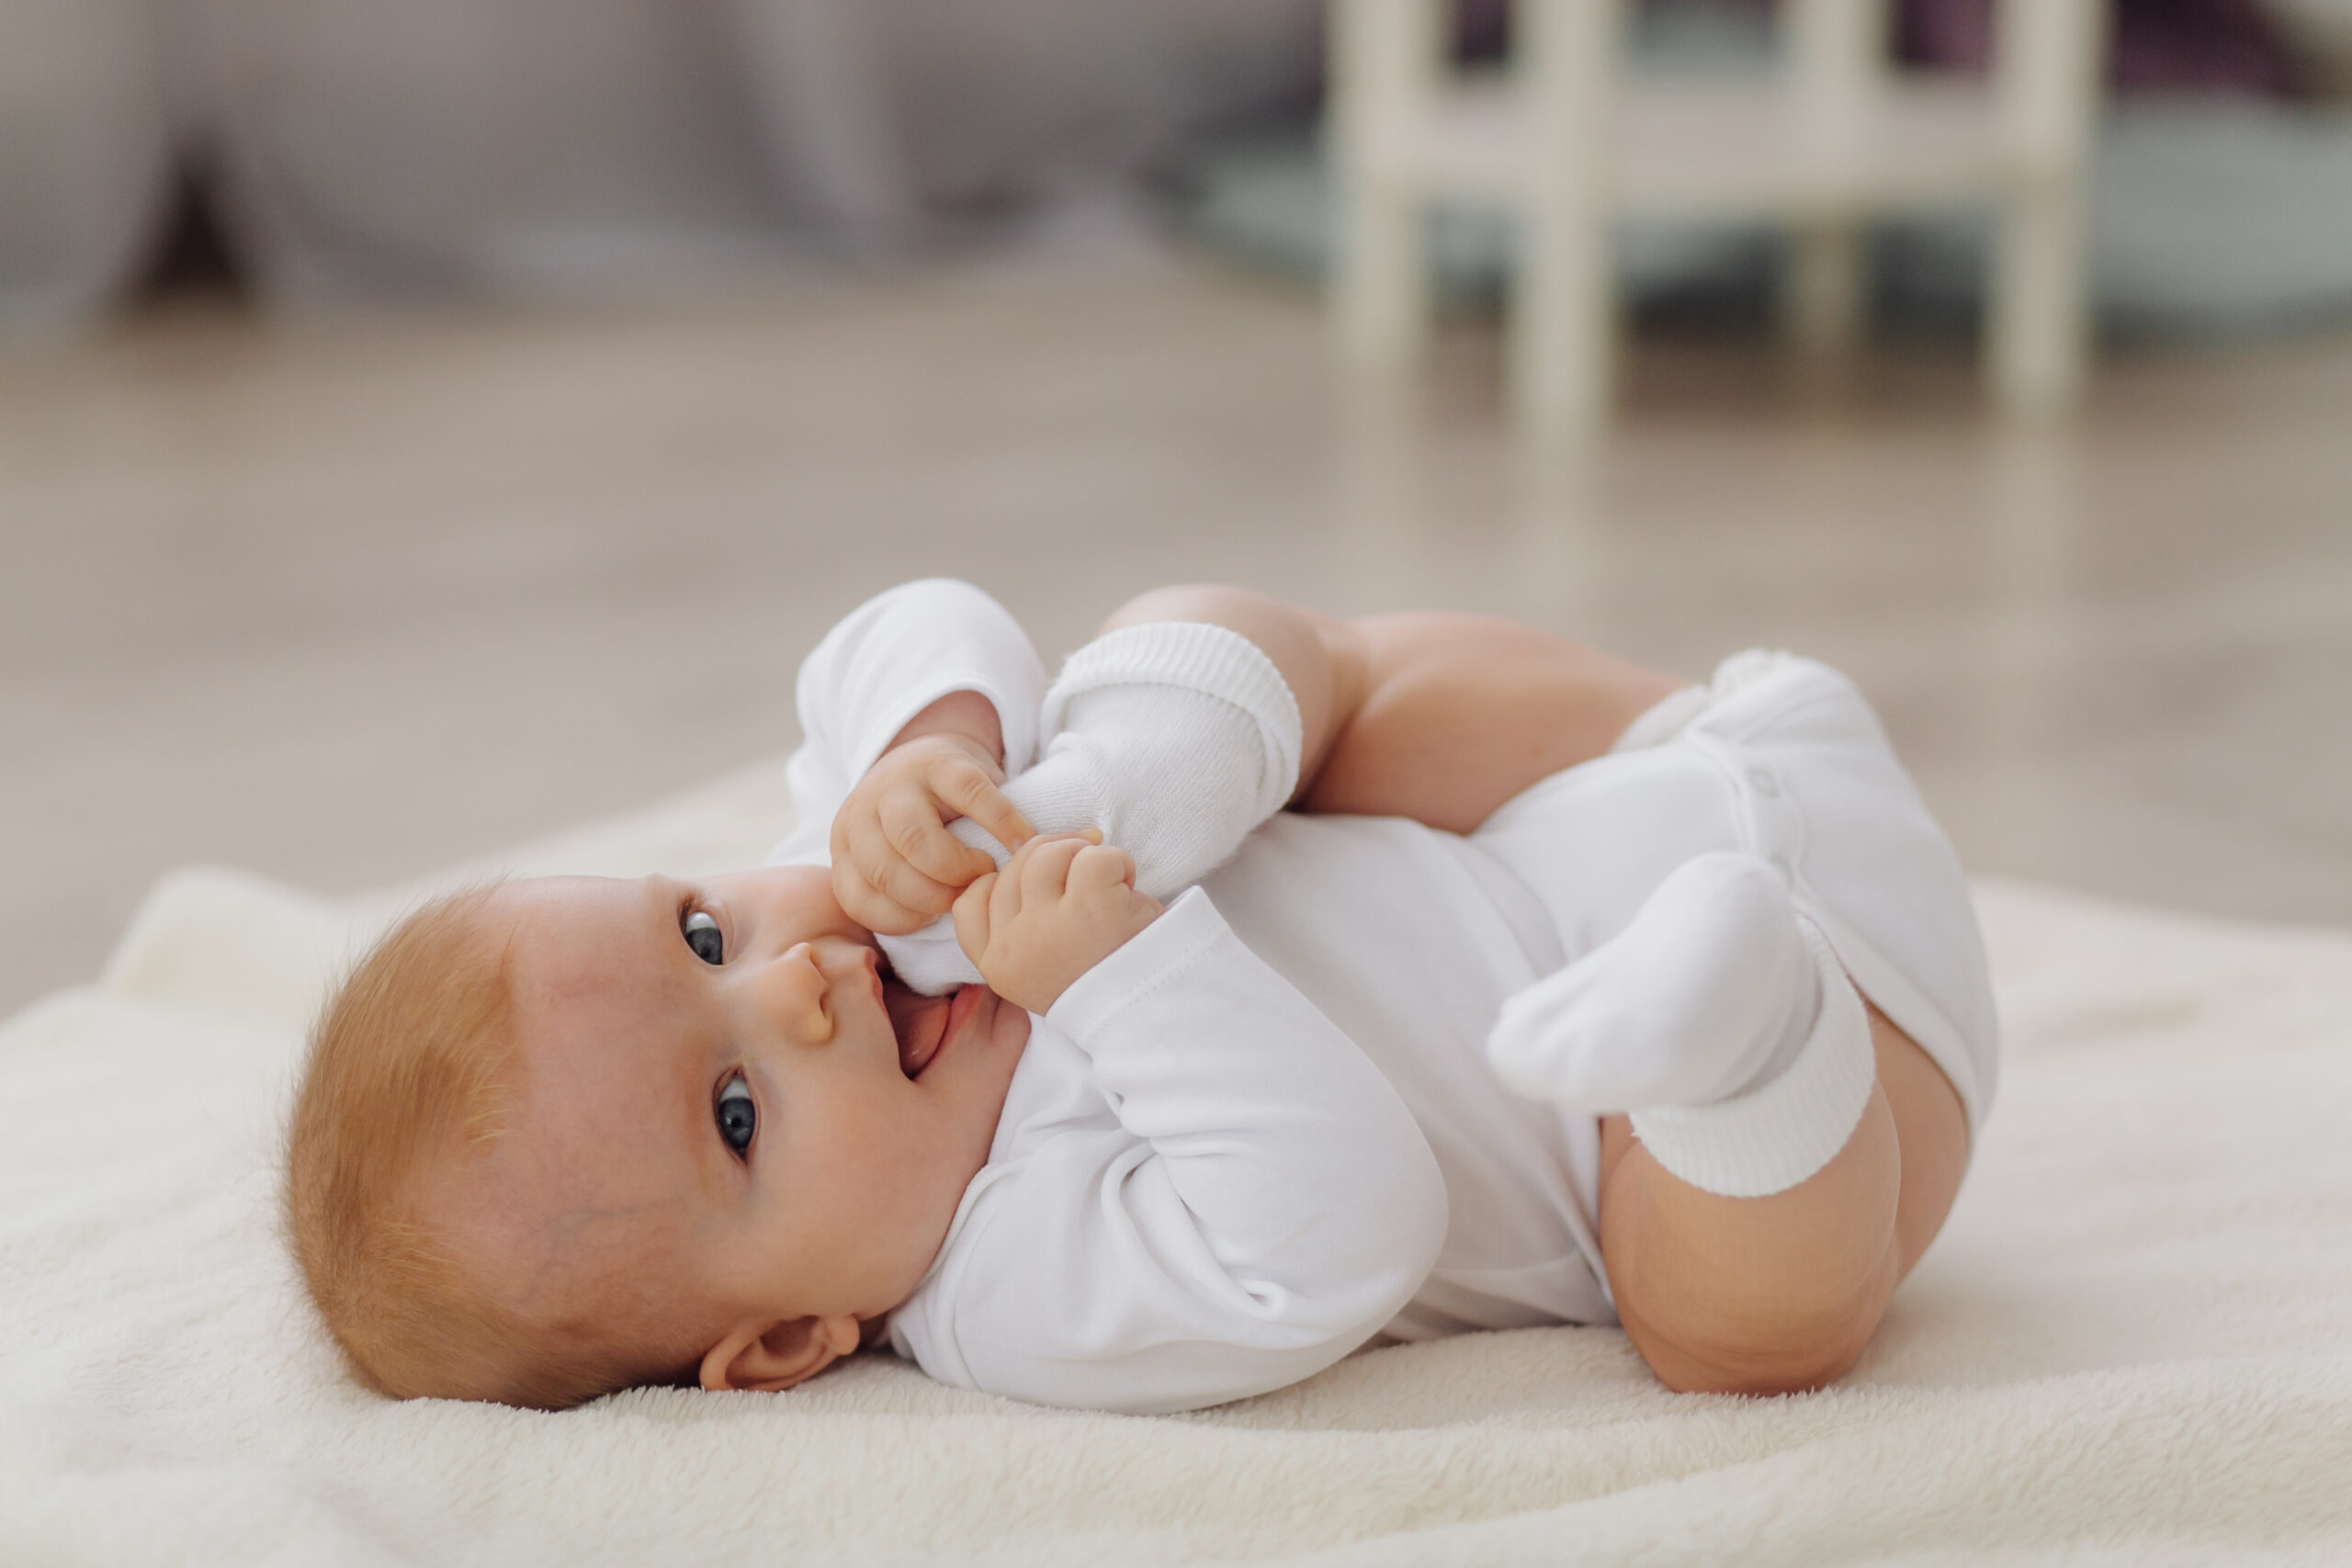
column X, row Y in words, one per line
column 931, row 961
column 1771, row 1138
column 1194, row 656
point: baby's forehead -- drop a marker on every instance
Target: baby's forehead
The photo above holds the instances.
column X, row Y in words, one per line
column 581, row 926
column 596, row 988
column 577, row 903
column 603, row 1085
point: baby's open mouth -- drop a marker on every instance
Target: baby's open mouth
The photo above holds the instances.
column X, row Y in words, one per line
column 924, row 1023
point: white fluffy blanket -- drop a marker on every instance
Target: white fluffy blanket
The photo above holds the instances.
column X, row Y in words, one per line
column 2132, row 1343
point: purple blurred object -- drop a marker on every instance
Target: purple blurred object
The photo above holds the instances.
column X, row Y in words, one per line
column 2195, row 44
column 2223, row 44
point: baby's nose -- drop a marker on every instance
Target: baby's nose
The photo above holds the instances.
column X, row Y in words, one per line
column 795, row 989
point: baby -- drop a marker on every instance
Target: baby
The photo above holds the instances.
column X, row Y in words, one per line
column 1052, row 1051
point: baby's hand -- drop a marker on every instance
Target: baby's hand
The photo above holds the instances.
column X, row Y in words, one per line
column 896, row 868
column 1060, row 906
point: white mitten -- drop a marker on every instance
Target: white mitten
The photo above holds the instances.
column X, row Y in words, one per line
column 1175, row 739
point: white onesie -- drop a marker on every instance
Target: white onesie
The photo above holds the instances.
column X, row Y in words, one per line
column 1265, row 1132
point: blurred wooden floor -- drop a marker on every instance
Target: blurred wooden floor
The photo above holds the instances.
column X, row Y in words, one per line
column 344, row 600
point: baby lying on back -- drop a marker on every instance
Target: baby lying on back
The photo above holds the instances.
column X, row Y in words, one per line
column 1572, row 994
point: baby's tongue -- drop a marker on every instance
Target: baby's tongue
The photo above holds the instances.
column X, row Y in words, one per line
column 919, row 1023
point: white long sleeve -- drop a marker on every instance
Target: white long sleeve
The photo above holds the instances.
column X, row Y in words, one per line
column 1202, row 1189
column 1228, row 1184
column 888, row 660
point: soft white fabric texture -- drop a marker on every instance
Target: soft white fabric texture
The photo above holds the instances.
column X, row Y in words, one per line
column 1200, row 1188
column 1410, row 942
column 1172, row 738
column 1781, row 759
column 1720, row 1018
column 2130, row 1344
column 1705, row 994
column 1401, row 941
column 930, row 960
column 886, row 661
column 1779, row 1131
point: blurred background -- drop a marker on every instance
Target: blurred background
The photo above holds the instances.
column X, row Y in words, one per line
column 425, row 427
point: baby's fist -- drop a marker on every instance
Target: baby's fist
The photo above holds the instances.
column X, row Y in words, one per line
column 896, row 866
column 1058, row 908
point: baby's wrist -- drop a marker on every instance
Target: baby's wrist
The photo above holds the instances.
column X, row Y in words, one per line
column 1035, row 981
column 966, row 719
column 1034, row 987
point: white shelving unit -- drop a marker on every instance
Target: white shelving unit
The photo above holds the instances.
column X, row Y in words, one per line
column 1562, row 141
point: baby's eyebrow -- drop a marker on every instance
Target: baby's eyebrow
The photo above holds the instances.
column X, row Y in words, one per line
column 666, row 901
column 697, row 1125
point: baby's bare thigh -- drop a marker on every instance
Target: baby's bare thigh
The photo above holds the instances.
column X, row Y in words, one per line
column 1932, row 1129
column 1461, row 713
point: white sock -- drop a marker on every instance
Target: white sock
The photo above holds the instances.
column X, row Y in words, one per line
column 1174, row 738
column 1720, row 1018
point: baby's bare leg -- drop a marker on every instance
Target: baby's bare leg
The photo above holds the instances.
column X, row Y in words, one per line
column 1461, row 713
column 1775, row 1294
column 1438, row 717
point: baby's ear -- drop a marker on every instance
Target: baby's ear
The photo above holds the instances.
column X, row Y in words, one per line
column 764, row 1354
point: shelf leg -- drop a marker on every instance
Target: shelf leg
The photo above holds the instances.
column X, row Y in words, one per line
column 1826, row 299
column 1834, row 75
column 2046, row 73
column 1386, row 55
column 1563, row 326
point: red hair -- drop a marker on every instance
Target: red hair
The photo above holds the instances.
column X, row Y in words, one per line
column 412, row 1064
column 412, row 1068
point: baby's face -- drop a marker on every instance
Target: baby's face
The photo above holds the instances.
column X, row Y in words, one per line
column 724, row 1112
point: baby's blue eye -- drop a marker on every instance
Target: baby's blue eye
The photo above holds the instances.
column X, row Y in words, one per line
column 702, row 935
column 737, row 1117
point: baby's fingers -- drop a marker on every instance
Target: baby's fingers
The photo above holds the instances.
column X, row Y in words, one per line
column 1100, row 867
column 973, row 918
column 910, row 825
column 886, row 917
column 880, row 866
column 1044, row 864
column 966, row 788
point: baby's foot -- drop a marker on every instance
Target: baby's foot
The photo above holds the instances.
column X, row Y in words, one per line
column 1720, row 1017
column 1686, row 1005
